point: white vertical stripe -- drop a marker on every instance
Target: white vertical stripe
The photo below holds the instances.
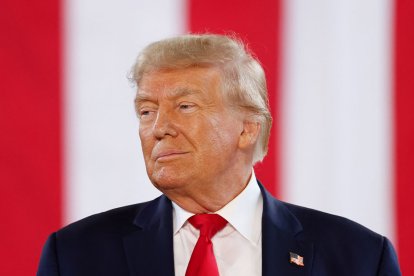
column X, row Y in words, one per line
column 336, row 117
column 104, row 167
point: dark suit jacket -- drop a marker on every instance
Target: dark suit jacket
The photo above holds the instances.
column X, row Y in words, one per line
column 138, row 240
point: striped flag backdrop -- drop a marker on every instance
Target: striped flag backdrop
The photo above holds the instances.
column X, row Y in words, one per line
column 340, row 76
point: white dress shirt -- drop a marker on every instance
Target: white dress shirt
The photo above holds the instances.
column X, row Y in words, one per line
column 238, row 246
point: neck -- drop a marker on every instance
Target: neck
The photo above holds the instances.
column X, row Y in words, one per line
column 213, row 196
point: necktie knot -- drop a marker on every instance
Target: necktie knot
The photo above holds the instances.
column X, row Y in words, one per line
column 202, row 261
column 208, row 224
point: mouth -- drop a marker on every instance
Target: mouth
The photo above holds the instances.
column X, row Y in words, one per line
column 169, row 155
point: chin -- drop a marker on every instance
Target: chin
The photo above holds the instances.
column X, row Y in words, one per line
column 165, row 182
column 171, row 176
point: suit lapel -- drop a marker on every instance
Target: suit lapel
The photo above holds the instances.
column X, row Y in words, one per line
column 149, row 249
column 282, row 234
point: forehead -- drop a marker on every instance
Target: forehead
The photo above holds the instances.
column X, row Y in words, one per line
column 180, row 82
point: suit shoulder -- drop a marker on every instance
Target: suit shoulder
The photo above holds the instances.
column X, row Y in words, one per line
column 336, row 239
column 319, row 225
column 94, row 245
column 118, row 220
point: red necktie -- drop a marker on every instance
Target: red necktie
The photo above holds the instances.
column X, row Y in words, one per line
column 202, row 261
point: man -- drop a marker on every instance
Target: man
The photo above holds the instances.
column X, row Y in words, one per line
column 204, row 122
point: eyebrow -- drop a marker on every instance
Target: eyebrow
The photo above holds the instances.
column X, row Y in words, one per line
column 173, row 94
column 139, row 98
column 182, row 92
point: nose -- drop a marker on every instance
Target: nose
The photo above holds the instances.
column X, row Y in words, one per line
column 164, row 125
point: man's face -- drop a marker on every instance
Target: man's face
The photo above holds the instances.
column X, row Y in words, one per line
column 189, row 133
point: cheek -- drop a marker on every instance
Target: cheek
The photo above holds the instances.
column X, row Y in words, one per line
column 146, row 143
column 223, row 134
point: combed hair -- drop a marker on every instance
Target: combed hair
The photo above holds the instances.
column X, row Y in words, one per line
column 243, row 79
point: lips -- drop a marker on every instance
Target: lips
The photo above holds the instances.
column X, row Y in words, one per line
column 166, row 155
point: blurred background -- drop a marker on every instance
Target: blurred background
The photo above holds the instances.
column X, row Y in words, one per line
column 340, row 78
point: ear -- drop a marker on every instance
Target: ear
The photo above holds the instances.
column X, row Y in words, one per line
column 249, row 135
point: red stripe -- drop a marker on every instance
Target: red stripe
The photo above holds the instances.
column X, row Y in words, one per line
column 257, row 23
column 30, row 138
column 404, row 131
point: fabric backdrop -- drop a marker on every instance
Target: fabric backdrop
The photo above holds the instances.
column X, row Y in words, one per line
column 340, row 77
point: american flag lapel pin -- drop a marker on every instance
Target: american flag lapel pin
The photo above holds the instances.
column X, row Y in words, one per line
column 296, row 259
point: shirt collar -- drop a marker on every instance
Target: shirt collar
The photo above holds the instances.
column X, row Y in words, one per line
column 244, row 212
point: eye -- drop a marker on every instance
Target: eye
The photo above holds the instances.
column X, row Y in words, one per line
column 186, row 107
column 145, row 113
